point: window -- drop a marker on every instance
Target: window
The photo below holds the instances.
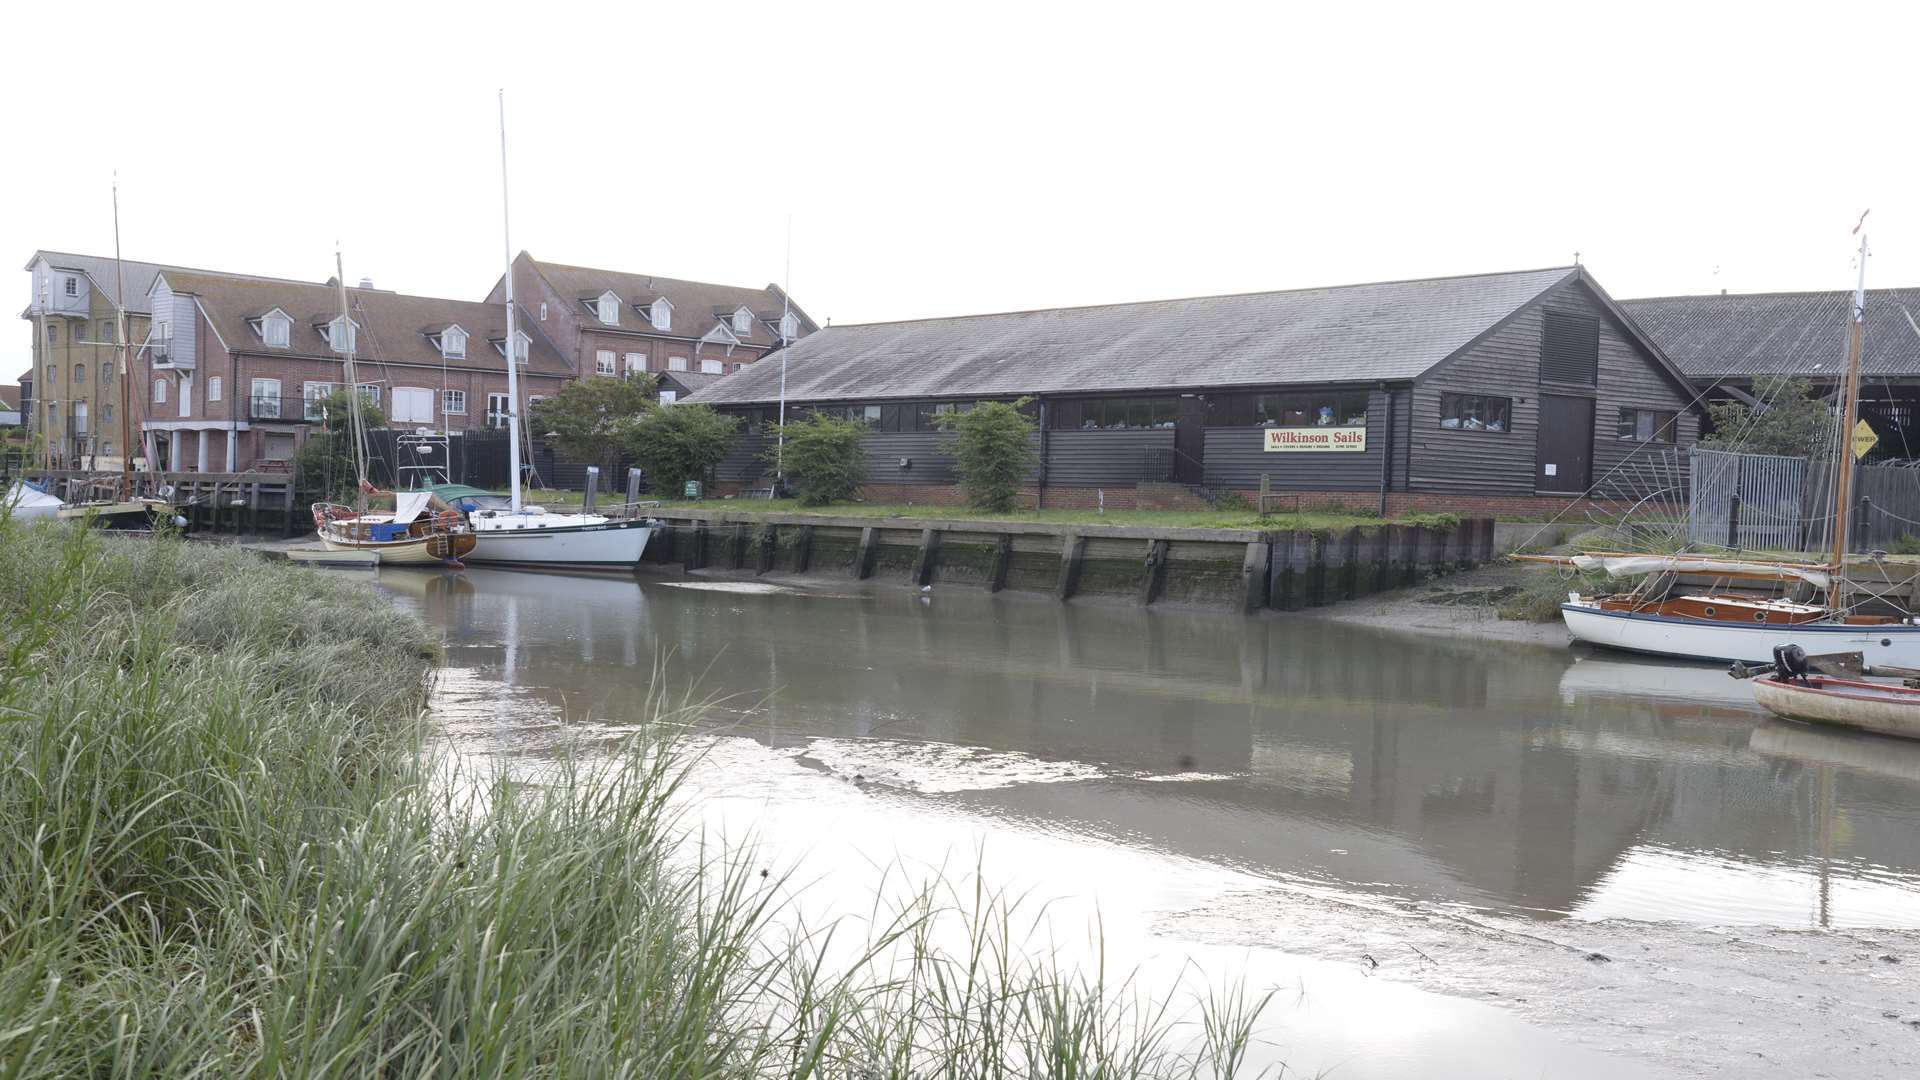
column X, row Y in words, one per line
column 73, row 286
column 53, row 374
column 636, row 363
column 543, row 311
column 412, row 405
column 341, row 335
column 712, row 367
column 1122, row 414
column 453, row 343
column 106, row 372
column 276, row 330
column 80, row 418
column 668, row 397
column 603, row 362
column 53, row 333
column 676, row 363
column 106, row 331
column 608, row 308
column 738, row 368
column 496, row 410
column 743, row 321
column 1475, row 412
column 159, row 391
column 313, row 398
column 370, row 394
column 1647, row 425
column 1569, row 348
column 523, row 345
column 661, row 314
column 106, row 417
column 453, row 402
column 214, row 387
column 868, row 415
column 264, row 402
column 106, row 448
column 789, row 326
column 79, row 373
column 1345, row 408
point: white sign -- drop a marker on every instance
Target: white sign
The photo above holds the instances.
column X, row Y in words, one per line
column 1553, row 470
column 1319, row 440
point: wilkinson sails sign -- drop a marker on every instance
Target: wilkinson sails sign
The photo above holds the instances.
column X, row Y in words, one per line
column 1323, row 440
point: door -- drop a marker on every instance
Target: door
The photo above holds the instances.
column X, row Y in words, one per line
column 1190, row 440
column 1563, row 459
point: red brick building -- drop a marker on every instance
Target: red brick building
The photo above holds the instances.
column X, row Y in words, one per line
column 611, row 323
column 233, row 367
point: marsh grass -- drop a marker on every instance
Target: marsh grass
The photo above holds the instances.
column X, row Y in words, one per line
column 229, row 848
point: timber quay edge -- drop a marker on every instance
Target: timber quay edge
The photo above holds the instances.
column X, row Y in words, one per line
column 249, row 503
column 1238, row 569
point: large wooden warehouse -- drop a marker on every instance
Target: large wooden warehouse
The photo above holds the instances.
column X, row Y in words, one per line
column 1508, row 393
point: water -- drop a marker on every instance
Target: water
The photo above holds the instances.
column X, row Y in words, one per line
column 1159, row 766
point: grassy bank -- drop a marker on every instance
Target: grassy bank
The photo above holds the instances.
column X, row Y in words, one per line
column 225, row 850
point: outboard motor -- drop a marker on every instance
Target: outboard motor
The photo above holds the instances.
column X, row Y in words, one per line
column 1789, row 663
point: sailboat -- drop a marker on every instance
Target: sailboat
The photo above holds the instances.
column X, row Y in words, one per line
column 122, row 508
column 421, row 530
column 1725, row 626
column 519, row 535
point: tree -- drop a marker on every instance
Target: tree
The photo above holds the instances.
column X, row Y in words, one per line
column 993, row 451
column 1791, row 421
column 324, row 464
column 823, row 456
column 678, row 443
column 589, row 419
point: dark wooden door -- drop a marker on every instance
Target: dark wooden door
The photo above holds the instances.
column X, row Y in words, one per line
column 1563, row 459
column 1190, row 440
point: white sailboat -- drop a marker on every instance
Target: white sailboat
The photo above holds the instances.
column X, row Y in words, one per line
column 519, row 535
column 1725, row 626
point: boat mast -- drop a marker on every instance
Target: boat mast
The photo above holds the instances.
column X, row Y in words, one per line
column 513, row 381
column 126, row 367
column 1849, row 414
column 353, row 390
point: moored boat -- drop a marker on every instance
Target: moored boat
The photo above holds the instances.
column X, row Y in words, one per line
column 1880, row 708
column 416, row 533
column 532, row 536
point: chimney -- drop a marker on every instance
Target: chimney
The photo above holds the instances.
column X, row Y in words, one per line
column 1723, row 292
column 366, row 283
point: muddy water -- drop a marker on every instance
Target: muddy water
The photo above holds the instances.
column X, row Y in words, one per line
column 1165, row 767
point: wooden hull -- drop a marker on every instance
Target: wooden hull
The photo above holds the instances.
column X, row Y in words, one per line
column 434, row 550
column 1875, row 707
column 135, row 515
column 1887, row 645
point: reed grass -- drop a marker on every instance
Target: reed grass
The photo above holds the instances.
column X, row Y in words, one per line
column 229, row 847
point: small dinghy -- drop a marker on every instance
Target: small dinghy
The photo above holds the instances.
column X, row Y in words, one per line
column 1793, row 692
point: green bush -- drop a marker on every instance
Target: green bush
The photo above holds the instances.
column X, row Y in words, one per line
column 822, row 457
column 993, row 452
column 678, row 443
column 590, row 419
column 1233, row 501
column 324, row 463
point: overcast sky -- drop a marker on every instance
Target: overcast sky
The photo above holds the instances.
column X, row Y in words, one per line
column 955, row 158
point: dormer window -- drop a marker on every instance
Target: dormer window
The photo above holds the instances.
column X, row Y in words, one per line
column 275, row 329
column 453, row 343
column 523, row 346
column 742, row 321
column 608, row 308
column 341, row 334
column 661, row 314
column 789, row 326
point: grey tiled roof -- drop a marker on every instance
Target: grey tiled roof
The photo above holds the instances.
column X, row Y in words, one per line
column 1781, row 333
column 697, row 305
column 139, row 275
column 1386, row 330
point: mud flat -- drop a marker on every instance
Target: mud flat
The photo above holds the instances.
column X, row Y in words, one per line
column 1462, row 605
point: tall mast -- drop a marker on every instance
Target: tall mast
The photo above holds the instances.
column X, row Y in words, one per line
column 353, row 390
column 513, row 379
column 126, row 367
column 1850, row 411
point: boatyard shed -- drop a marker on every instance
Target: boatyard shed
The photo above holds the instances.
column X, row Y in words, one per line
column 1505, row 392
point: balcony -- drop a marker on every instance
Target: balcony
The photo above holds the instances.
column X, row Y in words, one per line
column 163, row 357
column 274, row 409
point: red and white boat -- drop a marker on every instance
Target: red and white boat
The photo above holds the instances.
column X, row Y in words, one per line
column 1864, row 706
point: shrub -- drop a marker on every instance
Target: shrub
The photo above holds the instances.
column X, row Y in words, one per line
column 822, row 456
column 590, row 419
column 993, row 452
column 1540, row 596
column 1233, row 501
column 324, row 464
column 679, row 443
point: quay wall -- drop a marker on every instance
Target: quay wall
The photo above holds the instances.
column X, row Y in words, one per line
column 1239, row 569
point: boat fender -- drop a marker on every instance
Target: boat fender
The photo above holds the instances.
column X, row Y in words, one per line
column 1789, row 663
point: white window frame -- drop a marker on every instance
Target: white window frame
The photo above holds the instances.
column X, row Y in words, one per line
column 372, row 395
column 412, row 394
column 676, row 363
column 636, row 363
column 603, row 362
column 159, row 391
column 710, row 366
column 79, row 418
column 334, row 334
column 668, row 397
column 453, row 403
column 497, row 415
column 607, row 309
column 72, row 287
column 254, row 397
column 543, row 311
column 453, row 343
column 310, row 401
column 660, row 314
column 186, row 395
column 276, row 331
column 214, row 386
column 789, row 326
column 742, row 321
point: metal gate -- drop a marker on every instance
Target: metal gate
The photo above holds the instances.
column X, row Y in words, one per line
column 1748, row 501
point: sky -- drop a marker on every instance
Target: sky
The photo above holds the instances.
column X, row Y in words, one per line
column 896, row 161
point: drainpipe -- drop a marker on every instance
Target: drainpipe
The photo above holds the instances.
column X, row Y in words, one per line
column 1040, row 493
column 1386, row 459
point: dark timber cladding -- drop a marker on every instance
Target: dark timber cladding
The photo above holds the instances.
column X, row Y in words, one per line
column 1433, row 386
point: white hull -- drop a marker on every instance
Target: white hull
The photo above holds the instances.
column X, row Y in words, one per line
column 610, row 544
column 1698, row 639
column 1884, row 711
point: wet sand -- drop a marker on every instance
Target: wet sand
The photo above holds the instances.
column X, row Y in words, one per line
column 1456, row 606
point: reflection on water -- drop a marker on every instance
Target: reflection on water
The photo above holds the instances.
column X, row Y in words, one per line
column 1435, row 770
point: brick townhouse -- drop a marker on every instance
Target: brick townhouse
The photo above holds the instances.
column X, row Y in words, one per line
column 234, row 367
column 610, row 322
column 75, row 392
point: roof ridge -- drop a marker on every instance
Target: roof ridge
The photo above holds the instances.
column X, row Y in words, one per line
column 355, row 290
column 1207, row 296
column 1765, row 295
column 644, row 274
column 175, row 266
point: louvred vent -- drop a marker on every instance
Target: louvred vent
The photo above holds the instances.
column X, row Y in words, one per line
column 1570, row 349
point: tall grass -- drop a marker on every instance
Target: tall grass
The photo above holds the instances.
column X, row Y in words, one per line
column 228, row 848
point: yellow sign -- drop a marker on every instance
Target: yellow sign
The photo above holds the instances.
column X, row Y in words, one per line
column 1863, row 439
column 1321, row 440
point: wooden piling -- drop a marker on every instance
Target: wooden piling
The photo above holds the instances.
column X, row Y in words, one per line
column 1253, row 576
column 737, row 546
column 1002, row 558
column 1153, row 572
column 803, row 551
column 869, row 546
column 1073, row 549
column 923, row 559
column 698, row 556
column 769, row 540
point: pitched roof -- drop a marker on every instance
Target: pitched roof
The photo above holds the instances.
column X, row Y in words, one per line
column 393, row 326
column 1800, row 333
column 690, row 382
column 10, row 397
column 1384, row 330
column 101, row 269
column 695, row 303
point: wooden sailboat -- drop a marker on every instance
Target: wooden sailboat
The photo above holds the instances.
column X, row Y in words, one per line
column 421, row 530
column 518, row 535
column 1794, row 692
column 1722, row 625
